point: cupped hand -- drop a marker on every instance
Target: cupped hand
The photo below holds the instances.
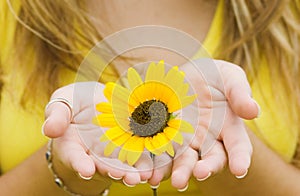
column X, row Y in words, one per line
column 224, row 100
column 76, row 138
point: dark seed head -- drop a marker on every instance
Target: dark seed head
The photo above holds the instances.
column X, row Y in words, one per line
column 149, row 118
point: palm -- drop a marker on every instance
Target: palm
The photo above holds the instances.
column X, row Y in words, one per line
column 79, row 146
column 223, row 100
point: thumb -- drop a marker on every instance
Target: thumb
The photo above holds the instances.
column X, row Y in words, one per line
column 238, row 91
column 242, row 104
column 58, row 114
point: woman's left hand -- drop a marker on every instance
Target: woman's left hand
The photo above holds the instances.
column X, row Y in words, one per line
column 224, row 99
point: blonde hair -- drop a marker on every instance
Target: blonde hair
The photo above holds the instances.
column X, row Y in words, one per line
column 56, row 35
column 271, row 28
column 258, row 30
column 58, row 31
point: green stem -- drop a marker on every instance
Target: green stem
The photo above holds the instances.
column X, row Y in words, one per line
column 153, row 189
column 154, row 192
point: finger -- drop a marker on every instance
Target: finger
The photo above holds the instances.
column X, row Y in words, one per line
column 117, row 170
column 131, row 179
column 144, row 166
column 237, row 90
column 182, row 169
column 74, row 155
column 58, row 120
column 212, row 162
column 70, row 101
column 108, row 166
column 238, row 147
column 82, row 163
column 162, row 169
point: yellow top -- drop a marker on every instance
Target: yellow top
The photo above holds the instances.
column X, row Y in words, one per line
column 20, row 133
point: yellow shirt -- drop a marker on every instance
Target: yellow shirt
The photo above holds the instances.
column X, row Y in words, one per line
column 20, row 134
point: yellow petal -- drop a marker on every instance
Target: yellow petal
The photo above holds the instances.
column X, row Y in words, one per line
column 103, row 138
column 183, row 90
column 119, row 141
column 186, row 127
column 106, row 120
column 135, row 143
column 110, row 147
column 121, row 114
column 159, row 142
column 166, row 93
column 145, row 92
column 181, row 125
column 170, row 132
column 138, row 95
column 150, row 90
column 95, row 121
column 178, row 138
column 173, row 134
column 114, row 132
column 133, row 157
column 162, row 92
column 134, row 78
column 174, row 123
column 133, row 149
column 163, row 140
column 121, row 105
column 174, row 78
column 178, row 102
column 155, row 72
column 182, row 73
column 170, row 149
column 116, row 94
column 174, row 104
column 133, row 103
column 108, row 90
column 149, row 146
column 187, row 100
column 104, row 107
column 140, row 144
column 122, row 119
column 151, row 72
column 122, row 155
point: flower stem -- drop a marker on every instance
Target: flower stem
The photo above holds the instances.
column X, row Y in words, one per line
column 154, row 190
column 152, row 156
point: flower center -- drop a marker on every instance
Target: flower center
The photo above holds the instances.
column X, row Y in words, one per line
column 149, row 118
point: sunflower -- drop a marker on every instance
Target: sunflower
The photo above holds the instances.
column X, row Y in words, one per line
column 143, row 116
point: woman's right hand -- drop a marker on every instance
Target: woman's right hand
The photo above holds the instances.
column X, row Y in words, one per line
column 63, row 126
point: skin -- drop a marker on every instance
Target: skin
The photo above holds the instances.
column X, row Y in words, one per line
column 32, row 177
column 268, row 175
column 232, row 146
column 237, row 145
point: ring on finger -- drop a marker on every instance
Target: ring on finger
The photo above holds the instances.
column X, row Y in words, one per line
column 64, row 101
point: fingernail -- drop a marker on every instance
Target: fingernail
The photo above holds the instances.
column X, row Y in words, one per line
column 144, row 181
column 259, row 109
column 128, row 185
column 202, row 179
column 85, row 178
column 155, row 186
column 184, row 189
column 43, row 126
column 242, row 176
column 114, row 178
